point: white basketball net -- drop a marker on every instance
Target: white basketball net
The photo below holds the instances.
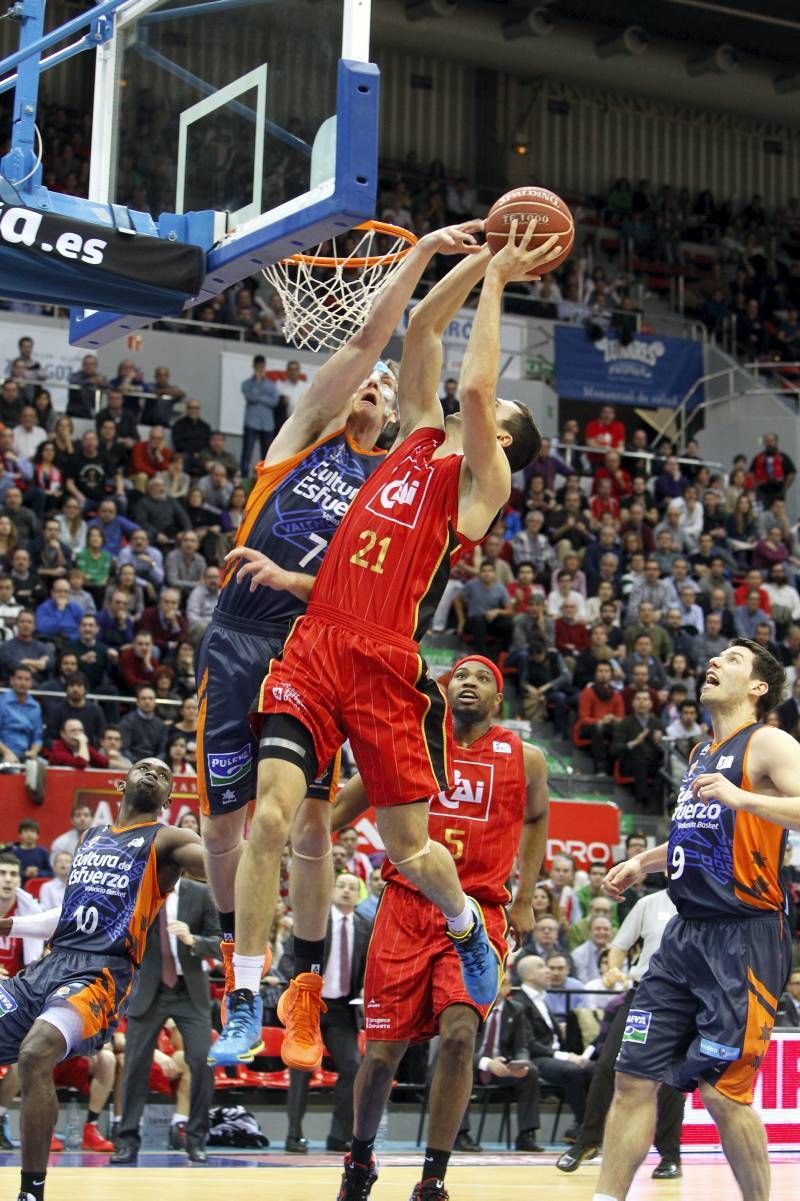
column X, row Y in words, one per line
column 326, row 302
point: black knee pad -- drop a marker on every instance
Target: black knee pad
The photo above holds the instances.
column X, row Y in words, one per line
column 285, row 737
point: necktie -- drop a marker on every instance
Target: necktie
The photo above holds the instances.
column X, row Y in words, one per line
column 169, row 975
column 344, row 959
column 490, row 1042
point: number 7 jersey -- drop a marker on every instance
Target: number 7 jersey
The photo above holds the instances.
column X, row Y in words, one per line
column 112, row 895
column 721, row 862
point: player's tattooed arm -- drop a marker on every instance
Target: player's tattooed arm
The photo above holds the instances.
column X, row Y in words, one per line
column 532, row 843
column 351, row 802
column 263, row 572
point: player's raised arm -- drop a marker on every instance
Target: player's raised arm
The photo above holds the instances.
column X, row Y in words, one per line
column 489, row 476
column 330, row 391
column 532, row 843
column 421, row 366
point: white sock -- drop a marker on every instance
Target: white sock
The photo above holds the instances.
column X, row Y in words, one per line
column 247, row 971
column 179, row 1117
column 462, row 921
column 603, row 1197
column 3, row 1112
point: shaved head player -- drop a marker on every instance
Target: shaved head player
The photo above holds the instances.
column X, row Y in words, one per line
column 351, row 667
column 413, row 990
column 704, row 1011
column 65, row 1003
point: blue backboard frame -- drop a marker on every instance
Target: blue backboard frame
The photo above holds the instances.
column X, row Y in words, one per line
column 329, row 210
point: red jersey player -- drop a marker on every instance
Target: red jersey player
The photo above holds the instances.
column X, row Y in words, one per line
column 413, row 988
column 351, row 666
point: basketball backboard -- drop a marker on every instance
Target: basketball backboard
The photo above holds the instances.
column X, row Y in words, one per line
column 253, row 121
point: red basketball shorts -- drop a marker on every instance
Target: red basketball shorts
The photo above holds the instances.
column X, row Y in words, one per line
column 413, row 971
column 348, row 682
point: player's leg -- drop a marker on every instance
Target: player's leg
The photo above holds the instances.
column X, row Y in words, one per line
column 281, row 787
column 451, row 1086
column 223, row 842
column 431, row 868
column 744, row 1142
column 310, row 894
column 9, row 1087
column 102, row 1069
column 183, row 1090
column 599, row 1097
column 628, row 1134
column 42, row 1048
column 371, row 1091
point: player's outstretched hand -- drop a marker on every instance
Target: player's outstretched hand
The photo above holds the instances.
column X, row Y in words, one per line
column 456, row 239
column 519, row 261
column 259, row 569
column 713, row 786
column 623, row 876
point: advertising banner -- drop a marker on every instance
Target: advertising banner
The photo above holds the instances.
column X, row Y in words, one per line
column 648, row 371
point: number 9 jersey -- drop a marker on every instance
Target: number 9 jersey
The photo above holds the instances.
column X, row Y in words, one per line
column 723, row 863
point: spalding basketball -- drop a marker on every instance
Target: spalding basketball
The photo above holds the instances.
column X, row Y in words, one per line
column 522, row 204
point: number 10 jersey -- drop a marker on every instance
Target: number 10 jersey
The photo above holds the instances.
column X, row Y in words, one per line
column 112, row 895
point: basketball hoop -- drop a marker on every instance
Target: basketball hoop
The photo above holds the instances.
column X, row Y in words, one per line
column 328, row 296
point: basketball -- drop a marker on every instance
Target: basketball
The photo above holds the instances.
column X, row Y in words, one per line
column 521, row 204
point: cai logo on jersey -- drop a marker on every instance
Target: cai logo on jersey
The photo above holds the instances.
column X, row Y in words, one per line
column 471, row 795
column 401, row 500
column 225, row 769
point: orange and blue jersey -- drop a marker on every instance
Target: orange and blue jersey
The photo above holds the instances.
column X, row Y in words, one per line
column 292, row 513
column 112, row 895
column 721, row 862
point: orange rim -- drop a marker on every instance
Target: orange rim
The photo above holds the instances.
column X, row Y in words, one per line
column 379, row 227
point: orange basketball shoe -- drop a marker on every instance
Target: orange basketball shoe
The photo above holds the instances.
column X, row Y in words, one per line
column 299, row 1009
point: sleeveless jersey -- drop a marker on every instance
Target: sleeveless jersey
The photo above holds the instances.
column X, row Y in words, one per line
column 291, row 515
column 112, row 895
column 11, row 948
column 723, row 863
column 390, row 558
column 479, row 819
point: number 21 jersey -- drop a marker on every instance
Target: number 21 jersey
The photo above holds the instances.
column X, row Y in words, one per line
column 721, row 862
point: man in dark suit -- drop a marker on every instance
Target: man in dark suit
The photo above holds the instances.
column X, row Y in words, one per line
column 553, row 1064
column 346, row 943
column 789, row 1004
column 502, row 1057
column 172, row 984
column 637, row 743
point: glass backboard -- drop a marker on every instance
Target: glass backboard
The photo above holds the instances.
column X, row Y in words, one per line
column 223, row 105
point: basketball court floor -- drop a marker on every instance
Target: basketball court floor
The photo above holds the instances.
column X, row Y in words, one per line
column 488, row 1177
